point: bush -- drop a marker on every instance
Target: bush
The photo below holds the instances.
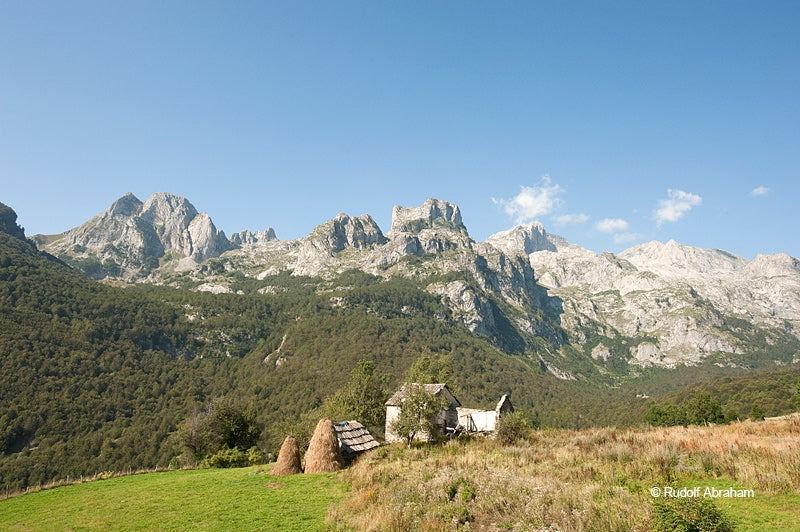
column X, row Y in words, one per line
column 690, row 515
column 255, row 456
column 512, row 428
column 227, row 457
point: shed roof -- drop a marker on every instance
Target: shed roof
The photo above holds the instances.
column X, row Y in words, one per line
column 433, row 389
column 354, row 437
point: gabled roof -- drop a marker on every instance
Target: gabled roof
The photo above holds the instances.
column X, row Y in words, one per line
column 504, row 405
column 354, row 437
column 433, row 389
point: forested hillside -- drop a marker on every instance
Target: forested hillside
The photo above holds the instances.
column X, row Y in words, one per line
column 96, row 377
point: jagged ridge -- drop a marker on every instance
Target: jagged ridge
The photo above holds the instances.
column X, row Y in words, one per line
column 654, row 304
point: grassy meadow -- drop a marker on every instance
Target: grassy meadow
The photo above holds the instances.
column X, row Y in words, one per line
column 599, row 479
column 203, row 499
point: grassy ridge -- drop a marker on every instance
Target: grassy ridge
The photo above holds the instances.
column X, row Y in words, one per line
column 595, row 479
column 206, row 499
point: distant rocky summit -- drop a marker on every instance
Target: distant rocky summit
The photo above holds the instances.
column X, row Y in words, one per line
column 130, row 239
column 525, row 290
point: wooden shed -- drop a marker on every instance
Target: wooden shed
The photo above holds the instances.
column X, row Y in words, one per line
column 354, row 439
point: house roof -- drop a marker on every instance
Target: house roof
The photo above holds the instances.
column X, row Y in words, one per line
column 354, row 437
column 433, row 389
column 504, row 405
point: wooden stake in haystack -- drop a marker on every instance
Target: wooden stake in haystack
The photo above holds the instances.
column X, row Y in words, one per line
column 288, row 462
column 323, row 455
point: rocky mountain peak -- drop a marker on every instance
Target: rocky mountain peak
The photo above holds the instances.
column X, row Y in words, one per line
column 432, row 213
column 524, row 239
column 776, row 265
column 130, row 235
column 678, row 260
column 166, row 208
column 359, row 232
column 127, row 205
column 8, row 222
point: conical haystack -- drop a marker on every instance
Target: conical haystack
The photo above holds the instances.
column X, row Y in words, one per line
column 323, row 454
column 288, row 458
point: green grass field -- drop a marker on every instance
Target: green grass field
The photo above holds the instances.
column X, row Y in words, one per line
column 205, row 499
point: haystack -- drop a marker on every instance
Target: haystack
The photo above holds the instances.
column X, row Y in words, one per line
column 323, row 454
column 288, row 458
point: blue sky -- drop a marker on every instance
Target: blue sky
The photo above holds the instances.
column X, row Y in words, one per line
column 612, row 123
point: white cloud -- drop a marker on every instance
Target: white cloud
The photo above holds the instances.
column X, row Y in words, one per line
column 532, row 202
column 677, row 204
column 759, row 191
column 611, row 225
column 572, row 219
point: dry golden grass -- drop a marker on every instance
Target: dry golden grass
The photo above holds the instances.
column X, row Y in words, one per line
column 597, row 479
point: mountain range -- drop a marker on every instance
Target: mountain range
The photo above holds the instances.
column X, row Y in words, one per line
column 530, row 293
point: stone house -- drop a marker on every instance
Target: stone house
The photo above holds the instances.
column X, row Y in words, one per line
column 453, row 419
column 446, row 420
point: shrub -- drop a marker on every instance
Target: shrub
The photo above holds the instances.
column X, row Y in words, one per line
column 689, row 515
column 227, row 457
column 511, row 428
column 666, row 416
column 255, row 456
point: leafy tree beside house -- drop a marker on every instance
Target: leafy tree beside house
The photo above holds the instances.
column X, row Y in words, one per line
column 420, row 401
column 362, row 398
column 417, row 412
column 433, row 368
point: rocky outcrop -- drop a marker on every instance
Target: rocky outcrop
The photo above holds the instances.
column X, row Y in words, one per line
column 344, row 231
column 468, row 307
column 430, row 214
column 130, row 238
column 8, row 222
column 318, row 252
column 676, row 261
column 433, row 227
column 248, row 238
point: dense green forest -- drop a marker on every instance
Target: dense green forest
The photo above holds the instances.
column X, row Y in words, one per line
column 98, row 377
